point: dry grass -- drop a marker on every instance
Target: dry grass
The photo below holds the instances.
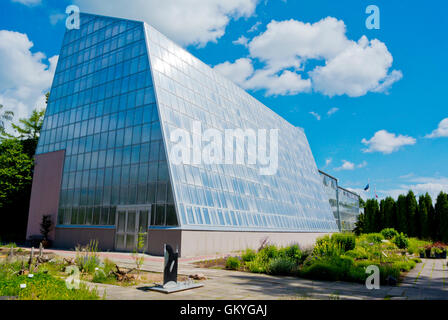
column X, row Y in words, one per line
column 219, row 263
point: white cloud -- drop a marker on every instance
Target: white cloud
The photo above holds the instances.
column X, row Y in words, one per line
column 386, row 142
column 328, row 161
column 350, row 68
column 361, row 67
column 28, row 3
column 254, row 27
column 332, row 111
column 24, row 76
column 56, row 17
column 316, row 115
column 346, row 165
column 185, row 21
column 238, row 72
column 241, row 41
column 242, row 73
column 362, row 165
column 441, row 131
column 361, row 192
column 288, row 43
column 387, row 82
column 282, row 83
column 421, row 185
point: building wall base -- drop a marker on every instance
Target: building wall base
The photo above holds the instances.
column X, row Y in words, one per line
column 69, row 238
column 201, row 243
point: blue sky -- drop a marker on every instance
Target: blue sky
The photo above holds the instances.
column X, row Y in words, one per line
column 373, row 110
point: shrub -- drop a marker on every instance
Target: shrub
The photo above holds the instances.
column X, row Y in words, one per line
column 327, row 249
column 281, row 266
column 374, row 237
column 322, row 240
column 357, row 274
column 417, row 246
column 417, row 260
column 401, row 241
column 389, row 270
column 305, row 254
column 293, row 253
column 256, row 266
column 335, row 268
column 321, row 270
column 404, row 265
column 358, row 253
column 233, row 263
column 268, row 253
column 248, row 255
column 99, row 276
column 386, row 270
column 389, row 233
column 109, row 266
column 347, row 241
column 87, row 258
column 46, row 226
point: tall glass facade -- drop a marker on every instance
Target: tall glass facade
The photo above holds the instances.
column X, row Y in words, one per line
column 348, row 209
column 120, row 89
column 233, row 196
column 344, row 203
column 102, row 111
column 331, row 189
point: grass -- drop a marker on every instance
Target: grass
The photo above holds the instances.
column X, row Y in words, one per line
column 45, row 284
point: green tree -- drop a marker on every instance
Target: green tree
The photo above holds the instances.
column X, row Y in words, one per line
column 15, row 170
column 360, row 225
column 411, row 210
column 15, row 189
column 28, row 130
column 381, row 216
column 431, row 222
column 389, row 213
column 371, row 215
column 422, row 219
column 402, row 219
column 441, row 210
column 362, row 203
column 5, row 115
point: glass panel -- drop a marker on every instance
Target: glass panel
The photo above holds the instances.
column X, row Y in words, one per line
column 160, row 215
column 120, row 241
column 130, row 242
column 121, row 221
column 131, row 221
column 143, row 226
column 104, row 216
column 171, row 218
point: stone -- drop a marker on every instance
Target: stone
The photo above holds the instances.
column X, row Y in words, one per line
column 391, row 281
column 198, row 276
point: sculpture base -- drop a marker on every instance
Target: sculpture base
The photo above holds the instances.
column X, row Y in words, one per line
column 180, row 286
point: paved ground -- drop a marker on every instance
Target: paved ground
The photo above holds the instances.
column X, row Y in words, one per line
column 428, row 280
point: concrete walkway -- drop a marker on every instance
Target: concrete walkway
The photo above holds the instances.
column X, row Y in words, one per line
column 428, row 280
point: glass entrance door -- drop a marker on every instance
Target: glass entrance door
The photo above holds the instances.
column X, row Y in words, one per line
column 131, row 222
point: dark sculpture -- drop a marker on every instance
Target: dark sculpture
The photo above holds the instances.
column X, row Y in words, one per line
column 170, row 269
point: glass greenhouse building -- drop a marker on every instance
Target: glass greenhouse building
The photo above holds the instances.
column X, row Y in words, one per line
column 104, row 164
column 344, row 203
